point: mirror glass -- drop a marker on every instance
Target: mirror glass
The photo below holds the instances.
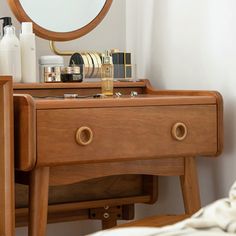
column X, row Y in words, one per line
column 61, row 20
column 61, row 15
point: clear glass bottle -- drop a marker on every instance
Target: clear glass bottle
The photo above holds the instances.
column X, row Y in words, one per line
column 107, row 74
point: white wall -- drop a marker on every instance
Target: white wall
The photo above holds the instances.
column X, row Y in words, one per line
column 192, row 47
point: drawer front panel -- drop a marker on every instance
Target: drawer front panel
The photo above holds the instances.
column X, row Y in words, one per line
column 110, row 134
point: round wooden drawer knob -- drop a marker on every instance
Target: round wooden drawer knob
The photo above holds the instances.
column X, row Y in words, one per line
column 179, row 131
column 84, row 136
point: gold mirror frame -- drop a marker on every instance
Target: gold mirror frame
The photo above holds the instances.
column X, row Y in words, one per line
column 22, row 16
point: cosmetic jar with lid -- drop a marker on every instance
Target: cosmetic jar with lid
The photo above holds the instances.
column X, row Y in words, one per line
column 71, row 74
column 50, row 68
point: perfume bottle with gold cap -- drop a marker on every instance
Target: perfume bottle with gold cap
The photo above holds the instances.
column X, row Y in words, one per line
column 107, row 74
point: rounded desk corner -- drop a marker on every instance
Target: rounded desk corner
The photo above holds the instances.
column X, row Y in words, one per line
column 25, row 131
column 220, row 121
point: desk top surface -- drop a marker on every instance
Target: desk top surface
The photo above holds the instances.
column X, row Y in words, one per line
column 51, row 95
column 140, row 100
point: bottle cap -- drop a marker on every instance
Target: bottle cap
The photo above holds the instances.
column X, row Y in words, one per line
column 107, row 59
column 70, row 70
column 26, row 28
column 67, row 70
column 6, row 21
column 51, row 60
column 76, row 69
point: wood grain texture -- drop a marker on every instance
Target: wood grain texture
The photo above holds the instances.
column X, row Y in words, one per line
column 82, row 210
column 82, row 214
column 125, row 101
column 91, row 190
column 22, row 16
column 155, row 221
column 84, row 85
column 124, row 133
column 219, row 104
column 150, row 186
column 115, row 190
column 159, row 166
column 131, row 136
column 43, row 93
column 25, row 132
column 7, row 211
column 108, row 215
column 83, row 89
column 190, row 187
column 38, row 196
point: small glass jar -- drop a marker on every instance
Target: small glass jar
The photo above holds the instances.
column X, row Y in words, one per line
column 50, row 68
column 71, row 74
column 52, row 74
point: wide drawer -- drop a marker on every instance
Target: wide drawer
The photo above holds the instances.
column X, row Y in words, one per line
column 120, row 133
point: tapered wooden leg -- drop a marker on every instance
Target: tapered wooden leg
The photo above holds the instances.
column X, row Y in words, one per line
column 38, row 197
column 190, row 187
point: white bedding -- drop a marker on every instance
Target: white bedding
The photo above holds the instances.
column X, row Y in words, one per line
column 216, row 219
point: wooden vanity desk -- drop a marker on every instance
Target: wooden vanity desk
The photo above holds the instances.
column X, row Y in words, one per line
column 121, row 143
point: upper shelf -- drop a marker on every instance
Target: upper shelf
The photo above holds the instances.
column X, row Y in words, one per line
column 18, row 86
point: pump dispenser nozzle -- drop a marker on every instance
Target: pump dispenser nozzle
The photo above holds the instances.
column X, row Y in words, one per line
column 107, row 59
column 6, row 21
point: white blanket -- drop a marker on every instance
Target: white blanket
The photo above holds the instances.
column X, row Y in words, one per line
column 216, row 219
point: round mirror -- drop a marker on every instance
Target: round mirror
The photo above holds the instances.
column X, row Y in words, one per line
column 61, row 20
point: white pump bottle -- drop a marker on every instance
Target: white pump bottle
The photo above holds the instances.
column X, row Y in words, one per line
column 28, row 53
column 10, row 57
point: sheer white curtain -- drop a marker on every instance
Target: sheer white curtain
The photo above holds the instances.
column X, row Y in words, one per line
column 190, row 44
column 173, row 41
column 139, row 33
